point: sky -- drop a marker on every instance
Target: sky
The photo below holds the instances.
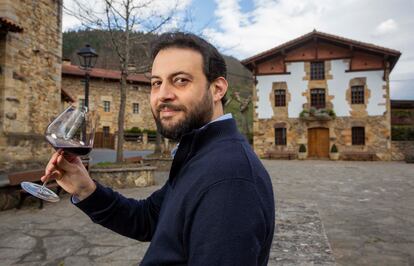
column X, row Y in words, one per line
column 243, row 28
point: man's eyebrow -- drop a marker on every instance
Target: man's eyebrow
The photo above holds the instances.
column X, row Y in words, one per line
column 171, row 75
column 180, row 73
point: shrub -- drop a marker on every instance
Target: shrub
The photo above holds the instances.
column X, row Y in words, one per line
column 334, row 149
column 402, row 133
column 133, row 130
column 302, row 148
column 304, row 113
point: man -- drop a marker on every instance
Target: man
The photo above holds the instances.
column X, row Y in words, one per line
column 217, row 207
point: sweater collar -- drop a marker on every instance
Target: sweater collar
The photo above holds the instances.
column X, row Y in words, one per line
column 197, row 139
column 221, row 118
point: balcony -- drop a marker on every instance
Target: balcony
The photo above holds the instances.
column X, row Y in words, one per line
column 314, row 114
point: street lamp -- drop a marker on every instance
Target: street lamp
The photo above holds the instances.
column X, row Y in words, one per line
column 87, row 60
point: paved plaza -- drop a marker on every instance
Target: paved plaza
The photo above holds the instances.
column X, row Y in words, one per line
column 348, row 213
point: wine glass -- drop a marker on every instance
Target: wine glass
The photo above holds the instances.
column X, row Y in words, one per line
column 73, row 131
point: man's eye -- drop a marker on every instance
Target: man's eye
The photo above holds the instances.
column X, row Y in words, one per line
column 155, row 84
column 181, row 81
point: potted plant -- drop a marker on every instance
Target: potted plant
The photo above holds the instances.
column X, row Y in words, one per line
column 302, row 152
column 334, row 155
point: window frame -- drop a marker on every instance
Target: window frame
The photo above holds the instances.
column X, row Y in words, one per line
column 358, row 94
column 281, row 136
column 106, row 133
column 133, row 108
column 280, row 99
column 106, row 108
column 317, row 70
column 357, row 139
column 316, row 100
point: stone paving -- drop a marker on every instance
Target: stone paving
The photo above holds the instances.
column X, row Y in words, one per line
column 365, row 208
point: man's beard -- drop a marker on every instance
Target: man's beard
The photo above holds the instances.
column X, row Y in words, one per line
column 194, row 118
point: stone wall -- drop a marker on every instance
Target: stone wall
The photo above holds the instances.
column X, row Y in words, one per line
column 125, row 177
column 30, row 63
column 400, row 149
column 340, row 134
column 108, row 90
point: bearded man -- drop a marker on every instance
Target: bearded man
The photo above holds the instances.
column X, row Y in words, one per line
column 217, row 206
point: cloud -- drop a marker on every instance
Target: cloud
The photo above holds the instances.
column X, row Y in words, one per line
column 386, row 27
column 271, row 23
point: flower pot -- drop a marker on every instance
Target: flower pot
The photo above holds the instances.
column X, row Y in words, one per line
column 334, row 156
column 302, row 155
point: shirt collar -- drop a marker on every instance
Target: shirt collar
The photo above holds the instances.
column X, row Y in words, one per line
column 221, row 118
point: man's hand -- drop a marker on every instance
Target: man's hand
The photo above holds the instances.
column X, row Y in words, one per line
column 70, row 174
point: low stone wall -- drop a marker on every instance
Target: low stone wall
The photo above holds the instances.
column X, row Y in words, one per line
column 400, row 149
column 125, row 177
column 138, row 145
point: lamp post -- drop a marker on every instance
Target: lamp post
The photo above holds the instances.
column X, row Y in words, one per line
column 87, row 59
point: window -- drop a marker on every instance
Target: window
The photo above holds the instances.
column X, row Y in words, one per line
column 280, row 98
column 358, row 136
column 106, row 131
column 280, row 136
column 317, row 70
column 81, row 103
column 357, row 94
column 107, row 106
column 318, row 98
column 135, row 108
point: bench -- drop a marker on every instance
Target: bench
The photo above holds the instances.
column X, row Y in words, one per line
column 136, row 159
column 29, row 176
column 272, row 154
column 358, row 156
column 14, row 180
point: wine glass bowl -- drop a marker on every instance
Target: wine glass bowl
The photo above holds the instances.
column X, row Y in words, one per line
column 73, row 131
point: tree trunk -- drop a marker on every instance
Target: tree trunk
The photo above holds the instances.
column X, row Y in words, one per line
column 158, row 144
column 121, row 118
column 124, row 77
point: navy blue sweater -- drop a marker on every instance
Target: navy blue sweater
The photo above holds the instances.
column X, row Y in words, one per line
column 217, row 207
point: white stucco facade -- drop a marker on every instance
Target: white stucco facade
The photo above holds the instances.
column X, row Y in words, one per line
column 296, row 85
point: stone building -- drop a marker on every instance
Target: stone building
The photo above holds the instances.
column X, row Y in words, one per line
column 30, row 77
column 104, row 96
column 320, row 90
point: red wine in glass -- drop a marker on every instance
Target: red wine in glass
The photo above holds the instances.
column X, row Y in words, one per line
column 73, row 132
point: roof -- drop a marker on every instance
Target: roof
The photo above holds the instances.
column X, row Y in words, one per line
column 66, row 96
column 74, row 70
column 9, row 25
column 402, row 104
column 392, row 54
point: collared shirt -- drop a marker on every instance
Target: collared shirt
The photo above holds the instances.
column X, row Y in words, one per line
column 221, row 118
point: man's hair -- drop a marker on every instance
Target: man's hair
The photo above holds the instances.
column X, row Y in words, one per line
column 214, row 65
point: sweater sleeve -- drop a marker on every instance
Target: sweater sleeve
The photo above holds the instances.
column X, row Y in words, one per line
column 228, row 226
column 133, row 218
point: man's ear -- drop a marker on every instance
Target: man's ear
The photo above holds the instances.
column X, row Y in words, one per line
column 219, row 88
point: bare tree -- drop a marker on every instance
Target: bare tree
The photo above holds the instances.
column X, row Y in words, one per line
column 122, row 18
column 243, row 108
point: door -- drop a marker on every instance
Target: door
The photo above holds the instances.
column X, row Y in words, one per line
column 104, row 139
column 318, row 142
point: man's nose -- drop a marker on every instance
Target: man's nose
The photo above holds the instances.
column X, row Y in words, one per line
column 166, row 92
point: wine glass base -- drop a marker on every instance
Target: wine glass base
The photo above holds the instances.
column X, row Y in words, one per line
column 39, row 192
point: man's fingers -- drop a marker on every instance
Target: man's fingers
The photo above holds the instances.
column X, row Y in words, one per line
column 51, row 166
column 66, row 166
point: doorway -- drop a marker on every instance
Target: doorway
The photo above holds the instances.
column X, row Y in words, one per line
column 318, row 142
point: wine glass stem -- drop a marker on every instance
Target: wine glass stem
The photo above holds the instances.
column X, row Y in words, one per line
column 44, row 183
